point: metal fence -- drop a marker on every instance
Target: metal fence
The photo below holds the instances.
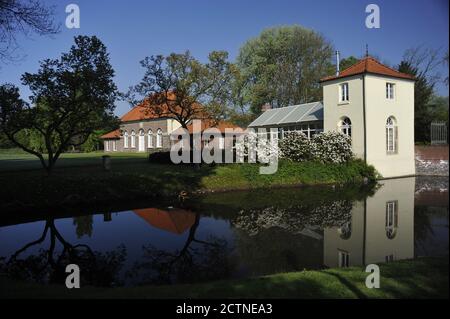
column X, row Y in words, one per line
column 439, row 133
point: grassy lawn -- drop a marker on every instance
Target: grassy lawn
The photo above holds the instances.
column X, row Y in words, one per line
column 422, row 278
column 14, row 160
column 79, row 179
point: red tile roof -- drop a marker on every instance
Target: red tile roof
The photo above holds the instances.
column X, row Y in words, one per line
column 205, row 124
column 221, row 125
column 111, row 135
column 369, row 65
column 152, row 108
column 175, row 220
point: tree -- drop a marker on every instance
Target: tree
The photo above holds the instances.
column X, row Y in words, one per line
column 182, row 88
column 283, row 66
column 23, row 17
column 71, row 97
column 348, row 62
column 423, row 90
column 239, row 105
column 445, row 63
column 438, row 108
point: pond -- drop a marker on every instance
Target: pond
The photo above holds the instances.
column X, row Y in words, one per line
column 232, row 235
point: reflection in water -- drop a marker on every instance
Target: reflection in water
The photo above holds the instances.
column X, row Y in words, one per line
column 233, row 235
column 48, row 266
column 382, row 228
column 176, row 220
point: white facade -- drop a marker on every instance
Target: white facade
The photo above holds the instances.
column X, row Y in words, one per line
column 381, row 228
column 369, row 101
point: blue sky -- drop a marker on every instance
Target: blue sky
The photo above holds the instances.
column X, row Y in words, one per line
column 134, row 29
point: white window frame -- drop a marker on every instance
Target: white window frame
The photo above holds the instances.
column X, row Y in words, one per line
column 344, row 95
column 390, row 90
column 107, row 145
column 159, row 138
column 114, row 144
column 133, row 139
column 150, row 139
column 391, row 218
column 345, row 126
column 391, row 136
column 125, row 139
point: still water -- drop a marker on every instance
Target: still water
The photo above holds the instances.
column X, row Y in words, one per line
column 232, row 235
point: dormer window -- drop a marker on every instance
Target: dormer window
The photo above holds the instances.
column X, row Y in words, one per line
column 343, row 92
column 390, row 91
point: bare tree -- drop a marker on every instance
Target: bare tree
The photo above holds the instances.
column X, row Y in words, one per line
column 426, row 60
column 23, row 17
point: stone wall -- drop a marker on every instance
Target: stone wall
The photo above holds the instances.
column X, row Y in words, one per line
column 432, row 160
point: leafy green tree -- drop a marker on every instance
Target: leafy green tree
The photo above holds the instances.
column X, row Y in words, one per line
column 438, row 108
column 71, row 97
column 348, row 62
column 423, row 91
column 174, row 86
column 283, row 65
column 94, row 141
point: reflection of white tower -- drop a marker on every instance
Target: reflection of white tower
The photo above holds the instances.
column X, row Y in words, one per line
column 381, row 228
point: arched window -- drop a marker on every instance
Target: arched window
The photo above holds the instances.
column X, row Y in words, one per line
column 150, row 139
column 133, row 139
column 125, row 139
column 345, row 126
column 391, row 136
column 141, row 141
column 391, row 219
column 159, row 138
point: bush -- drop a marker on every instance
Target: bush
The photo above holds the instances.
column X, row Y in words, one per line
column 295, row 146
column 331, row 147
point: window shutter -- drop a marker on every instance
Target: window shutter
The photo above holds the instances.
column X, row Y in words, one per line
column 396, row 139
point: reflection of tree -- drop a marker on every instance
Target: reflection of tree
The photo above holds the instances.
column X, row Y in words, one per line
column 48, row 266
column 84, row 225
column 424, row 229
column 197, row 260
column 296, row 218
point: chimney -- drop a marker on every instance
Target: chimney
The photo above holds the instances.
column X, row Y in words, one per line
column 266, row 107
column 337, row 63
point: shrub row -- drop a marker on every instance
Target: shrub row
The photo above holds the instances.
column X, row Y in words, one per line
column 328, row 147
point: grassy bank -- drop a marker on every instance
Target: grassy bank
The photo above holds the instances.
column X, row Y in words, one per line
column 133, row 177
column 422, row 278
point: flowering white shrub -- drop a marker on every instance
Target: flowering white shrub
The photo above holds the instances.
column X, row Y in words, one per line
column 295, row 146
column 331, row 147
column 254, row 148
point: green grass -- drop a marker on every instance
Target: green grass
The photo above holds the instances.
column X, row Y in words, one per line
column 422, row 278
column 16, row 160
column 79, row 179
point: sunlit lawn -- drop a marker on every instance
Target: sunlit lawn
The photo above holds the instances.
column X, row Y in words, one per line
column 423, row 278
column 16, row 160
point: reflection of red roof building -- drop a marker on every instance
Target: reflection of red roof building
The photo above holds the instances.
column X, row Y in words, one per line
column 175, row 220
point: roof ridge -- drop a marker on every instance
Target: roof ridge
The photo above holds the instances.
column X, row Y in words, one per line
column 386, row 66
